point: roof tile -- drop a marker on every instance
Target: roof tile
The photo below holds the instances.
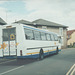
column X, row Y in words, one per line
column 70, row 32
column 47, row 23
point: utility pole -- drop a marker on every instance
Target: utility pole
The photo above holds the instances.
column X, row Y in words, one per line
column 7, row 15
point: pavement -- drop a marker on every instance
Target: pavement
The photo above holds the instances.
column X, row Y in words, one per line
column 60, row 64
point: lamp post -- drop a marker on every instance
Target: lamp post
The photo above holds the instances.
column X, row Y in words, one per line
column 7, row 15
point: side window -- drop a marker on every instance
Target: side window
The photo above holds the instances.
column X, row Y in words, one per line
column 29, row 34
column 12, row 34
column 5, row 34
column 43, row 36
column 9, row 34
column 52, row 37
column 37, row 35
column 56, row 38
column 48, row 37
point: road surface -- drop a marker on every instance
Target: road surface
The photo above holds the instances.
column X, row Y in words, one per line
column 60, row 64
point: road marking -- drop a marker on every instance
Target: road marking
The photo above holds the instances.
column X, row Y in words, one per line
column 7, row 61
column 71, row 70
column 11, row 70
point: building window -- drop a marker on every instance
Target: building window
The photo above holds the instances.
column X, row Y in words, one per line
column 61, row 31
column 44, row 27
column 69, row 36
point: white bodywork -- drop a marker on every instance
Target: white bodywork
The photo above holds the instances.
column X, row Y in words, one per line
column 28, row 47
column 1, row 53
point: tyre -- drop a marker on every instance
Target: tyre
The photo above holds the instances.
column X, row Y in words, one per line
column 41, row 55
column 57, row 50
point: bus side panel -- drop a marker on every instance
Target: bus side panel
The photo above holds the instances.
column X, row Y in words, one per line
column 59, row 47
column 34, row 47
column 1, row 53
column 20, row 39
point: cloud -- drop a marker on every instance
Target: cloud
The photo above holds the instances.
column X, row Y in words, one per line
column 46, row 9
column 1, row 2
column 2, row 12
column 9, row 16
column 40, row 4
column 59, row 11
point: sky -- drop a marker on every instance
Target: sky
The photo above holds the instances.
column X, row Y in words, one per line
column 58, row 11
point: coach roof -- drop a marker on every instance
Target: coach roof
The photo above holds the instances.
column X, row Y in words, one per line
column 37, row 29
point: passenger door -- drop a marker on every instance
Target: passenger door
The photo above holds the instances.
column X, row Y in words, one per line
column 9, row 42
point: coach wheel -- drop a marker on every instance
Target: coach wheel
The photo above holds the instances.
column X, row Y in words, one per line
column 41, row 55
column 57, row 50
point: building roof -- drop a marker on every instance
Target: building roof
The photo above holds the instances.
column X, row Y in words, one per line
column 2, row 22
column 70, row 32
column 24, row 22
column 40, row 22
column 47, row 23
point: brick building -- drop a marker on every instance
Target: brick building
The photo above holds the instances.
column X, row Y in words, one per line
column 71, row 37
